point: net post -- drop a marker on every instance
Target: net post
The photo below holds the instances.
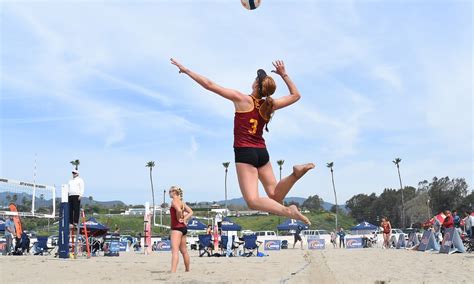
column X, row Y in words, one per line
column 54, row 201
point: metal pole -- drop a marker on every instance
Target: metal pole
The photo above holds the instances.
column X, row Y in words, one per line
column 34, row 190
column 335, row 195
column 403, row 201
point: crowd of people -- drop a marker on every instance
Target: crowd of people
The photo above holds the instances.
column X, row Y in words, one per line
column 463, row 224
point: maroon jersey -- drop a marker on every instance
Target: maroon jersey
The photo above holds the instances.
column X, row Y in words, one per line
column 175, row 224
column 248, row 127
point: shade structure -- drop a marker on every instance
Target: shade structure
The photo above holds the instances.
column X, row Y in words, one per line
column 94, row 228
column 229, row 225
column 291, row 224
column 196, row 225
column 364, row 227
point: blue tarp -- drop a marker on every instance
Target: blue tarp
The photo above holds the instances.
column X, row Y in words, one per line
column 2, row 225
column 364, row 226
column 291, row 224
column 229, row 225
column 195, row 224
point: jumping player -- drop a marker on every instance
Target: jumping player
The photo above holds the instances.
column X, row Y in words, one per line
column 252, row 113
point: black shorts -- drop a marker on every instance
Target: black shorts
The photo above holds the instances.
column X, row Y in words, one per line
column 298, row 238
column 257, row 157
column 182, row 230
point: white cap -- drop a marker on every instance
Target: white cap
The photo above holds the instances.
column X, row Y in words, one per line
column 75, row 171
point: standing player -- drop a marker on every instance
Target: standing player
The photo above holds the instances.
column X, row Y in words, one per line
column 252, row 113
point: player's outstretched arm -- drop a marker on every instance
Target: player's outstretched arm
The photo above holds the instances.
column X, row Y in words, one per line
column 207, row 84
column 294, row 95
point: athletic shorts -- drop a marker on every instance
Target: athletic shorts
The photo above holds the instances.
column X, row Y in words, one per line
column 257, row 157
column 298, row 238
column 183, row 230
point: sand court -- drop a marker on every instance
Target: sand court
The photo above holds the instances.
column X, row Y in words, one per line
column 286, row 266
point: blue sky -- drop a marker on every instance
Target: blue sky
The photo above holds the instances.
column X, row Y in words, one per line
column 379, row 80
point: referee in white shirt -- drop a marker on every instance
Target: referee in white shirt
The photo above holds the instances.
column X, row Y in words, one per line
column 76, row 191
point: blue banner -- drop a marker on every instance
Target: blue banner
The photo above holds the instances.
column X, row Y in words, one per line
column 63, row 238
column 401, row 241
column 451, row 242
column 272, row 245
column 314, row 243
column 428, row 242
column 163, row 245
column 354, row 243
column 123, row 246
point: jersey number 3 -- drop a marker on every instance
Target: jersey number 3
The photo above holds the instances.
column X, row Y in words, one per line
column 253, row 128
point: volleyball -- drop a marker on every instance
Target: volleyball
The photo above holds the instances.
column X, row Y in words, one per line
column 250, row 4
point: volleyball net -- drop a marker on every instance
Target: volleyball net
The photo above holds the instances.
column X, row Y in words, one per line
column 31, row 199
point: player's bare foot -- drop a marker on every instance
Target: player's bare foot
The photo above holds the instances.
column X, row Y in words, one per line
column 300, row 170
column 296, row 214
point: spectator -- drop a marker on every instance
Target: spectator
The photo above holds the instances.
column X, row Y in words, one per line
column 341, row 235
column 467, row 223
column 209, row 230
column 436, row 227
column 448, row 221
column 333, row 239
column 153, row 247
column 10, row 233
column 297, row 235
column 117, row 230
column 456, row 219
column 219, row 220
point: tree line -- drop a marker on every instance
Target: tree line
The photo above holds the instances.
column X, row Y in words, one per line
column 421, row 203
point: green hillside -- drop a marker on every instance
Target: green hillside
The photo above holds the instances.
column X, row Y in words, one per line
column 132, row 225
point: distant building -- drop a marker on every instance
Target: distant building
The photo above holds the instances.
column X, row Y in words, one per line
column 134, row 211
column 223, row 211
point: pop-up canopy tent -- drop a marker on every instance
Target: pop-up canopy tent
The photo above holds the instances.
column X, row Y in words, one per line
column 229, row 225
column 363, row 228
column 291, row 224
column 94, row 228
column 196, row 225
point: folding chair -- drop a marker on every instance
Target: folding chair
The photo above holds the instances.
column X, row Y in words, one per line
column 250, row 244
column 41, row 246
column 223, row 245
column 205, row 245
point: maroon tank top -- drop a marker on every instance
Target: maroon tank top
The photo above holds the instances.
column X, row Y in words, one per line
column 175, row 224
column 248, row 127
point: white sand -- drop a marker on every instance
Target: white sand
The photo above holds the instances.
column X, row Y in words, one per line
column 286, row 266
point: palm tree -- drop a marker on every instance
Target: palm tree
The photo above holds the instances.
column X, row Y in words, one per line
column 397, row 162
column 226, row 166
column 330, row 165
column 280, row 164
column 76, row 163
column 151, row 165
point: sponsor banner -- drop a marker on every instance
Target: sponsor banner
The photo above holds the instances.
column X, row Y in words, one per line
column 354, row 243
column 428, row 242
column 401, row 243
column 3, row 247
column 312, row 237
column 451, row 242
column 163, row 245
column 272, row 245
column 316, row 243
column 123, row 246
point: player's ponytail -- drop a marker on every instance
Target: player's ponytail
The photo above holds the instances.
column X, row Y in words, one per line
column 266, row 110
